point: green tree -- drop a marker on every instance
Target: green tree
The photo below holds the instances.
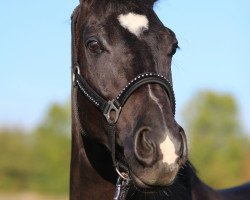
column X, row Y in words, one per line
column 15, row 158
column 37, row 161
column 217, row 144
column 53, row 150
column 56, row 120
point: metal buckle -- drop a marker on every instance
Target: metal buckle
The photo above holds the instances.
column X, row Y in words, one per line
column 76, row 69
column 112, row 108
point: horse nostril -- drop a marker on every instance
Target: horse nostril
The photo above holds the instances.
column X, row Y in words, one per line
column 144, row 147
column 183, row 150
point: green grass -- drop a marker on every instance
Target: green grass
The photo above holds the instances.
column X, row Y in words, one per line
column 31, row 196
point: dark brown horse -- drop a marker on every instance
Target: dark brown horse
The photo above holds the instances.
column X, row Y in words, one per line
column 123, row 124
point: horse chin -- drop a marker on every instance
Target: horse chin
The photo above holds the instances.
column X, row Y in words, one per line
column 155, row 180
column 138, row 183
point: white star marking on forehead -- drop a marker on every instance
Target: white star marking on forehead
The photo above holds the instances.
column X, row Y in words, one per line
column 134, row 23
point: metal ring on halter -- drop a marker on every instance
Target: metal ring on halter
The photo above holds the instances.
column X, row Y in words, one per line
column 76, row 69
column 123, row 175
column 111, row 107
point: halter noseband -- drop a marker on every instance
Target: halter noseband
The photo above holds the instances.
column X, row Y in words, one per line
column 115, row 105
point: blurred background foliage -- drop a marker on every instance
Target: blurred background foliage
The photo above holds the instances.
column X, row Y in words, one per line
column 219, row 146
column 39, row 160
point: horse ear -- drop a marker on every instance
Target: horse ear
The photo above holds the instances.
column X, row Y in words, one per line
column 82, row 1
column 149, row 3
column 152, row 2
column 85, row 1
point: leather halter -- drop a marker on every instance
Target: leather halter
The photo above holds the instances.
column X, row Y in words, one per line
column 106, row 107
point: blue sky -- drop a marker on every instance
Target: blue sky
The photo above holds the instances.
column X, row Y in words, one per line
column 214, row 37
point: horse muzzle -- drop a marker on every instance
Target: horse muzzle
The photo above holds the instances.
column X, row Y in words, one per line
column 155, row 161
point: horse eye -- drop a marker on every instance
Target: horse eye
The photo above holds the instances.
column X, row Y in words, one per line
column 94, row 46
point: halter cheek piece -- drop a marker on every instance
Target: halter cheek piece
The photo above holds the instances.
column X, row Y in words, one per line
column 111, row 109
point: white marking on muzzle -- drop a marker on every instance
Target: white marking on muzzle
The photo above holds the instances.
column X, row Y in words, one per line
column 168, row 151
column 167, row 146
column 134, row 23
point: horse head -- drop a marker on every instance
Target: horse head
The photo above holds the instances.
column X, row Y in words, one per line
column 116, row 41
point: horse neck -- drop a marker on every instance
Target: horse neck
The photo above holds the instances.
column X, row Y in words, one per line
column 201, row 191
column 86, row 180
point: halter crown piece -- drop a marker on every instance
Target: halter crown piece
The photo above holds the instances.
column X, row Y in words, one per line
column 114, row 106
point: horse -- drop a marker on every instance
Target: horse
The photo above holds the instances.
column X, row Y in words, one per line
column 126, row 143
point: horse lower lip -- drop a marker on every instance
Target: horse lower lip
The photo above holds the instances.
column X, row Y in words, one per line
column 145, row 188
column 162, row 179
column 139, row 183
